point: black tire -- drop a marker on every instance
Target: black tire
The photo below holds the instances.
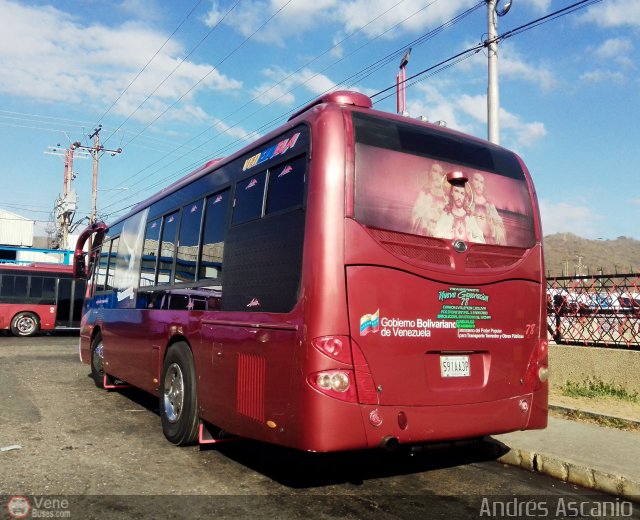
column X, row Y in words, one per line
column 178, row 399
column 97, row 360
column 25, row 324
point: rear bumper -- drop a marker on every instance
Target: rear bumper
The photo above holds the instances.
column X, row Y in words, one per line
column 423, row 424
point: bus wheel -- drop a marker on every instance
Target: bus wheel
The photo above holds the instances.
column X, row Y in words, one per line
column 97, row 361
column 25, row 324
column 178, row 402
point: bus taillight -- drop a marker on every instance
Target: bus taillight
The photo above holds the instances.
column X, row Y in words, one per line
column 336, row 347
column 335, row 383
column 538, row 370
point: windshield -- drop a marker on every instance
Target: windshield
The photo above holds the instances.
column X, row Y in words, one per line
column 403, row 175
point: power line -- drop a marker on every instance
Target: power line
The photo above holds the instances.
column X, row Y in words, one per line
column 211, row 71
column 379, row 63
column 262, row 93
column 530, row 25
column 171, row 74
column 148, row 63
column 434, row 69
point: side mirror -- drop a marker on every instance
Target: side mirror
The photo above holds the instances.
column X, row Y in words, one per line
column 80, row 267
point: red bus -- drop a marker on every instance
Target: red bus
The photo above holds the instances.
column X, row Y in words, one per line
column 39, row 297
column 352, row 279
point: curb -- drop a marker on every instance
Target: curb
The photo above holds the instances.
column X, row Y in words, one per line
column 569, row 412
column 591, row 478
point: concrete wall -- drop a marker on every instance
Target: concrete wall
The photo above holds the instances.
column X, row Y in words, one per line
column 614, row 366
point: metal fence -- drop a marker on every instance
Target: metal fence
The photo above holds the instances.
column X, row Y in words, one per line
column 601, row 310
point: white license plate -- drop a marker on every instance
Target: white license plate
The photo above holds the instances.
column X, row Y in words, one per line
column 454, row 366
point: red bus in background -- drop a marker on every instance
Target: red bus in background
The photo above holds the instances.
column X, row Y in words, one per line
column 39, row 297
column 353, row 279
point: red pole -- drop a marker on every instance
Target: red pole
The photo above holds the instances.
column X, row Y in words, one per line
column 401, row 99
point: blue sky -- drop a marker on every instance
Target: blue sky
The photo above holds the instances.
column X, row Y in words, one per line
column 175, row 84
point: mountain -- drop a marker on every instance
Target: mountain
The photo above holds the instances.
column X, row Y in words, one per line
column 567, row 254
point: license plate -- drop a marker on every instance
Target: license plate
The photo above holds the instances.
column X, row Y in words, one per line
column 454, row 366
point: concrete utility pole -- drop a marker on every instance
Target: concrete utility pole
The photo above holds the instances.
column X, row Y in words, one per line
column 96, row 151
column 66, row 204
column 493, row 98
column 401, row 84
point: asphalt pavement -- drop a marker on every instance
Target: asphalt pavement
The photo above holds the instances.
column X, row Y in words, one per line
column 589, row 455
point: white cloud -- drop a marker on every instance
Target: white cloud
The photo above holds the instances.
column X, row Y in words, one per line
column 50, row 56
column 376, row 16
column 518, row 133
column 282, row 84
column 513, row 66
column 603, row 76
column 613, row 47
column 288, row 20
column 432, row 104
column 563, row 217
column 539, row 5
column 614, row 13
column 372, row 18
column 143, row 9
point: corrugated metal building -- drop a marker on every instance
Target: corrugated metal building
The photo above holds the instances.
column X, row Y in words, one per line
column 15, row 230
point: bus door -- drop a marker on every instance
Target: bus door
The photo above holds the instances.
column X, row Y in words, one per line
column 64, row 302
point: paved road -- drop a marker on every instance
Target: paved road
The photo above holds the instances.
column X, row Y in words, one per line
column 104, row 453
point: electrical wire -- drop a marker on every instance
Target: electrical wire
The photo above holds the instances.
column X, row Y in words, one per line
column 149, row 62
column 379, row 63
column 434, row 69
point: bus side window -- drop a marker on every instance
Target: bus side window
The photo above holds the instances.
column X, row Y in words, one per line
column 150, row 253
column 101, row 271
column 215, row 224
column 188, row 239
column 48, row 290
column 35, row 290
column 286, row 186
column 14, row 287
column 167, row 248
column 249, row 199
column 111, row 266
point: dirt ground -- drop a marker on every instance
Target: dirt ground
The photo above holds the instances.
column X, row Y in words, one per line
column 600, row 405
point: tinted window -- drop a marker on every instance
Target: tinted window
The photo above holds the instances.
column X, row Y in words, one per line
column 150, row 253
column 111, row 267
column 21, row 287
column 35, row 289
column 215, row 223
column 101, row 272
column 41, row 290
column 188, row 242
column 48, row 291
column 8, row 284
column 286, row 186
column 167, row 247
column 417, row 181
column 249, row 198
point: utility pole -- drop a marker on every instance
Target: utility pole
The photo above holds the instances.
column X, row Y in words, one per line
column 401, row 85
column 67, row 202
column 493, row 98
column 96, row 151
